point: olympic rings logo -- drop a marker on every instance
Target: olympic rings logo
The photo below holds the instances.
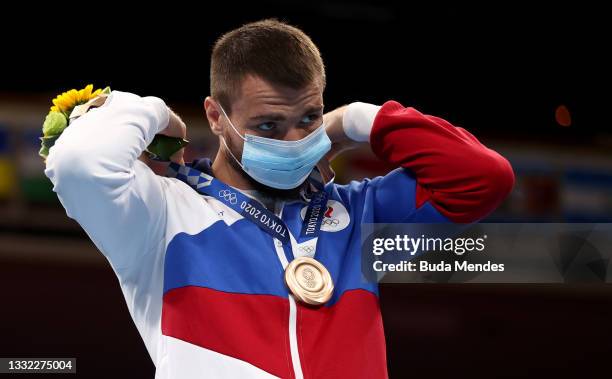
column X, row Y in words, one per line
column 307, row 249
column 331, row 221
column 228, row 196
column 309, row 278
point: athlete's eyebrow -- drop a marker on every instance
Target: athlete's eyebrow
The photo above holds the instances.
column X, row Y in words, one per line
column 269, row 116
column 281, row 117
column 313, row 110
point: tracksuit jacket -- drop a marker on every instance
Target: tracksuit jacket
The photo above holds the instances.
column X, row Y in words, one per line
column 205, row 286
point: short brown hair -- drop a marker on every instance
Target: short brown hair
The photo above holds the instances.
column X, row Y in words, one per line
column 272, row 50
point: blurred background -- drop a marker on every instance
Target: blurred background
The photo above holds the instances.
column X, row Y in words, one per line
column 530, row 82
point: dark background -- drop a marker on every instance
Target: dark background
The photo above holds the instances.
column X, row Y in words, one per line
column 501, row 67
column 500, row 70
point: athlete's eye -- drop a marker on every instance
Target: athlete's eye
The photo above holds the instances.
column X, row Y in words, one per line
column 309, row 119
column 266, row 126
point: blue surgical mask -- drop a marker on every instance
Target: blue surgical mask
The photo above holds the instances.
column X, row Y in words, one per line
column 277, row 163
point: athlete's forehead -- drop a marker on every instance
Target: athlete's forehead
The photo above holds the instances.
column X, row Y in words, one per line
column 260, row 100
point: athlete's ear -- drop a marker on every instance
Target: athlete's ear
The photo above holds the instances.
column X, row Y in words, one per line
column 213, row 114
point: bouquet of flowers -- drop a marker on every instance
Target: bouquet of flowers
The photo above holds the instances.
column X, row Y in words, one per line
column 72, row 104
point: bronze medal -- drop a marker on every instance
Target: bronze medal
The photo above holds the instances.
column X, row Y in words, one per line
column 309, row 281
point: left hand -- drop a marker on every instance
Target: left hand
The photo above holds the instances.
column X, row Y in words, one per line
column 335, row 132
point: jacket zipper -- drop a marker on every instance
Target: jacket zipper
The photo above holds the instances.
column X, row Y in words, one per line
column 293, row 344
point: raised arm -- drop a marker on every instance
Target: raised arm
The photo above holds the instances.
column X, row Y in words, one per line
column 99, row 180
column 443, row 170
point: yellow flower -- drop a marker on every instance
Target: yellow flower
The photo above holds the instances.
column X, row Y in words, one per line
column 68, row 100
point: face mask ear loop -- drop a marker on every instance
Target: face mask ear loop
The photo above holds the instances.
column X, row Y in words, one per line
column 230, row 122
column 232, row 154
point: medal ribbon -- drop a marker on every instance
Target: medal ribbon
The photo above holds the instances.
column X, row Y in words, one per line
column 252, row 209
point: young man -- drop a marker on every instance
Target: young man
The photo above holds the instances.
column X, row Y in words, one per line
column 207, row 259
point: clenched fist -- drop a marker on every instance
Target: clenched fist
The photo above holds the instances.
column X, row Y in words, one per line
column 176, row 128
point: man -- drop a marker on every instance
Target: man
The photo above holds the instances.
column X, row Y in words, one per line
column 206, row 273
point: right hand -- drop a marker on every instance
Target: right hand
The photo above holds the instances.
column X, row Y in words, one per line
column 176, row 128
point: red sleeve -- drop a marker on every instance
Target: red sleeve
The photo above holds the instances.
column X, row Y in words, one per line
column 463, row 179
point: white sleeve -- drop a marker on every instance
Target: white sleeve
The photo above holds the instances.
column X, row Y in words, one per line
column 358, row 120
column 94, row 167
